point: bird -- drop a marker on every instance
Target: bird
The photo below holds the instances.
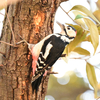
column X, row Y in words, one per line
column 46, row 52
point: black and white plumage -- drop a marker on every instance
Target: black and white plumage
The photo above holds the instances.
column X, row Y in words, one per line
column 52, row 48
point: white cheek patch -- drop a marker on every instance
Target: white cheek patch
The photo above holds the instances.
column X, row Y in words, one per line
column 65, row 39
column 71, row 33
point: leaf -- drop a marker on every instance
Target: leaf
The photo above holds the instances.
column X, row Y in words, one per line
column 78, row 17
column 94, row 34
column 81, row 51
column 79, row 38
column 86, row 11
column 80, row 21
column 99, row 29
column 88, row 38
column 92, row 77
column 98, row 3
column 79, row 13
column 97, row 14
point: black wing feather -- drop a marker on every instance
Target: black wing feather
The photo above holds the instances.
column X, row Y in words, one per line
column 55, row 52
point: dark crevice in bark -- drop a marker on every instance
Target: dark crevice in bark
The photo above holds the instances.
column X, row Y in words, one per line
column 13, row 94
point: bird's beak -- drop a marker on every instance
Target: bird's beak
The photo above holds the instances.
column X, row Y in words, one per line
column 60, row 25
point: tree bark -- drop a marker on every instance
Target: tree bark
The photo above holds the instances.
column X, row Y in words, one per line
column 33, row 20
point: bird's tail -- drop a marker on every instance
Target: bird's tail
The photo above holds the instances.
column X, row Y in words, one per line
column 36, row 83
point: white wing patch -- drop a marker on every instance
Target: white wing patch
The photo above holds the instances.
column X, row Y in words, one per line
column 48, row 47
column 41, row 60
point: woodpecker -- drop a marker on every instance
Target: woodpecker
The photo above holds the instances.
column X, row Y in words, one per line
column 47, row 51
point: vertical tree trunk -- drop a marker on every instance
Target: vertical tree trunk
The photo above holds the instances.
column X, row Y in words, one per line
column 33, row 20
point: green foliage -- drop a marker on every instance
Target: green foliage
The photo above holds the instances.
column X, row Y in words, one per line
column 94, row 34
column 86, row 11
column 87, row 30
column 78, row 17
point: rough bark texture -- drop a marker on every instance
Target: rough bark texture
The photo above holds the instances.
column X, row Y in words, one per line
column 33, row 20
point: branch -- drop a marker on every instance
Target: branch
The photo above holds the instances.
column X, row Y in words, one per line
column 8, row 44
column 35, row 77
column 2, row 14
column 39, row 74
column 11, row 28
column 20, row 42
column 63, row 55
column 64, row 0
column 86, row 59
column 11, row 31
column 2, row 53
column 96, row 67
column 23, row 40
column 79, row 58
column 49, row 72
column 67, row 14
column 98, row 98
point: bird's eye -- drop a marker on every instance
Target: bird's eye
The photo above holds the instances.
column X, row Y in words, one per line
column 68, row 28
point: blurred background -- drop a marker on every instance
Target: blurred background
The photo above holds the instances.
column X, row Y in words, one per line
column 71, row 82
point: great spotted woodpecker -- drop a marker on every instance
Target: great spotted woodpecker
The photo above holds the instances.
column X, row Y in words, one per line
column 47, row 51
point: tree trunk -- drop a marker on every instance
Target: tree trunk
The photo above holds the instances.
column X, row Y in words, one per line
column 33, row 20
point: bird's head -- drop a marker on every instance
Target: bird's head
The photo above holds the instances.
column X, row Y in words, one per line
column 67, row 30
